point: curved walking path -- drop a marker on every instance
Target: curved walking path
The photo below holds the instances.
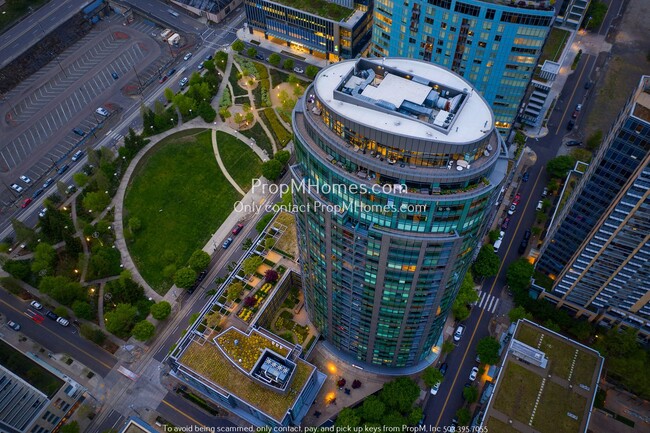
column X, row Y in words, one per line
column 223, row 167
column 84, row 244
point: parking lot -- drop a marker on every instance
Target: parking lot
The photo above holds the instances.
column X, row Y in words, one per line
column 39, row 115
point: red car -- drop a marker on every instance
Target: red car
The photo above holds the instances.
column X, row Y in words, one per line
column 506, row 223
column 237, row 229
column 163, row 79
column 517, row 199
column 26, row 202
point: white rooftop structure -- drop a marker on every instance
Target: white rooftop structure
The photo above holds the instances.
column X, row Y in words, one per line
column 406, row 97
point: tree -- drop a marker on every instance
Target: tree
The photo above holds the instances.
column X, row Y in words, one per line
column 275, row 59
column 400, row 394
column 470, row 394
column 238, row 46
column 271, row 276
column 44, row 258
column 199, row 260
column 464, row 416
column 81, row 179
column 18, row 268
column 487, row 262
column 347, row 418
column 121, row 320
column 249, row 302
column 96, row 201
column 252, row 52
column 311, row 71
column 447, row 347
column 460, row 311
column 494, row 235
column 373, row 409
column 288, row 64
column 518, row 313
column 62, row 289
column 169, row 94
column 83, row 310
column 559, row 166
column 71, row 427
column 488, row 350
column 431, row 376
column 91, row 333
column 184, row 278
column 248, row 242
column 160, row 310
column 125, row 290
column 239, row 118
column 251, row 264
column 207, row 113
column 249, row 117
column 234, row 291
column 143, row 330
column 272, row 169
column 213, row 319
column 23, row 233
column 62, row 312
column 283, row 156
column 519, row 274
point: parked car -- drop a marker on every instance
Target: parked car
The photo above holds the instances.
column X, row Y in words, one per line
column 545, row 192
column 37, row 193
column 237, row 229
column 505, row 224
column 63, row 169
column 78, row 154
column 298, row 70
column 460, row 330
column 187, row 56
column 200, row 66
column 163, row 79
column 443, row 368
column 259, row 57
column 171, row 72
column 17, row 187
column 517, row 198
column 25, row 179
column 78, row 131
column 227, row 243
column 51, row 315
column 42, row 212
column 575, row 114
column 114, row 75
column 527, row 234
column 588, row 84
column 540, row 205
column 208, row 57
column 570, row 125
column 501, row 235
column 48, row 182
column 512, row 209
column 572, row 143
column 522, row 246
column 578, row 107
column 37, row 305
column 183, row 81
column 26, row 202
column 102, row 111
column 435, row 388
column 473, row 374
column 13, row 325
column 525, row 177
column 63, row 322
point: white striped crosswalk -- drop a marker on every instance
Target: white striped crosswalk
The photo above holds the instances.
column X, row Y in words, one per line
column 487, row 302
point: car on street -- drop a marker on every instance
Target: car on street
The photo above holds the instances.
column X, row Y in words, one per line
column 572, row 143
column 460, row 330
column 527, row 234
column 163, row 79
column 227, row 243
column 522, row 246
column 187, row 56
column 25, row 179
column 505, row 224
column 63, row 322
column 208, row 57
column 200, row 66
column 512, row 209
column 63, row 169
column 525, row 177
column 171, row 72
column 517, row 199
column 545, row 192
column 540, row 205
column 237, row 229
column 114, row 75
column 13, row 325
column 443, row 368
column 78, row 131
column 102, row 111
column 78, row 154
column 501, row 235
column 588, row 84
column 575, row 114
column 570, row 125
column 48, row 182
column 51, row 315
column 259, row 57
column 578, row 107
column 16, row 187
column 183, row 82
column 298, row 70
column 473, row 374
column 42, row 212
column 37, row 305
column 26, row 202
column 37, row 193
column 435, row 388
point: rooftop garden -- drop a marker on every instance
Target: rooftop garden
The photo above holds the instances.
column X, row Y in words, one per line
column 517, row 392
column 28, row 370
column 551, row 413
column 554, row 46
column 322, row 8
column 288, row 242
column 248, row 348
column 210, row 363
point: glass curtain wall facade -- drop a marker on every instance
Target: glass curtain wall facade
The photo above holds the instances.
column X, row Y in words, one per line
column 383, row 255
column 599, row 252
column 492, row 44
column 331, row 38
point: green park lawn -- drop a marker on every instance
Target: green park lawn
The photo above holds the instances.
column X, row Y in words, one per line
column 181, row 198
column 239, row 159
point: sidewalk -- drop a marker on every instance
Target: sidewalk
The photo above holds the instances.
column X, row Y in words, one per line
column 257, row 39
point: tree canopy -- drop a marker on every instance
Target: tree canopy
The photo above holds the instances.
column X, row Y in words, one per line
column 272, row 169
column 488, row 350
column 238, row 46
column 160, row 310
column 184, row 278
column 487, row 262
column 431, row 376
column 143, row 330
column 559, row 166
column 121, row 320
column 519, row 274
column 199, row 260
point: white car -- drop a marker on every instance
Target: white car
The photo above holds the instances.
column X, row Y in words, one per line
column 459, row 333
column 473, row 374
column 183, row 82
column 16, row 187
column 102, row 111
column 42, row 212
column 540, row 205
column 298, row 70
column 187, row 56
column 501, row 235
column 36, row 305
column 25, row 179
column 512, row 209
column 63, row 322
column 435, row 388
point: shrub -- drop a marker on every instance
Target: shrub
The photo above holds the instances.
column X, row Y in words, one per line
column 93, row 334
column 281, row 135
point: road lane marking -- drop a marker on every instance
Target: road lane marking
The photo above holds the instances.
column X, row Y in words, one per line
column 183, row 413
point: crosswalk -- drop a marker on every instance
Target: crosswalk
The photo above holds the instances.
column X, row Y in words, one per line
column 487, row 302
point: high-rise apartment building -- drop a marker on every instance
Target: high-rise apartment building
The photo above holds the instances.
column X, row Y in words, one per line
column 332, row 30
column 598, row 247
column 494, row 44
column 398, row 168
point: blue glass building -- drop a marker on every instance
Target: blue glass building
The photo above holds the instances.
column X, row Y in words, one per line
column 398, row 168
column 598, row 247
column 494, row 44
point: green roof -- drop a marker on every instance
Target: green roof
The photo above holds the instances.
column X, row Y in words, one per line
column 248, row 348
column 322, row 8
column 28, row 370
column 208, row 361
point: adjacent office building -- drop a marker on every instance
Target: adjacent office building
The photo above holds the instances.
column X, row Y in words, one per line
column 494, row 44
column 212, row 10
column 332, row 30
column 598, row 248
column 398, row 168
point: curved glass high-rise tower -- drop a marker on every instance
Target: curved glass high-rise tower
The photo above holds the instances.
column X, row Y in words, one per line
column 398, row 168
